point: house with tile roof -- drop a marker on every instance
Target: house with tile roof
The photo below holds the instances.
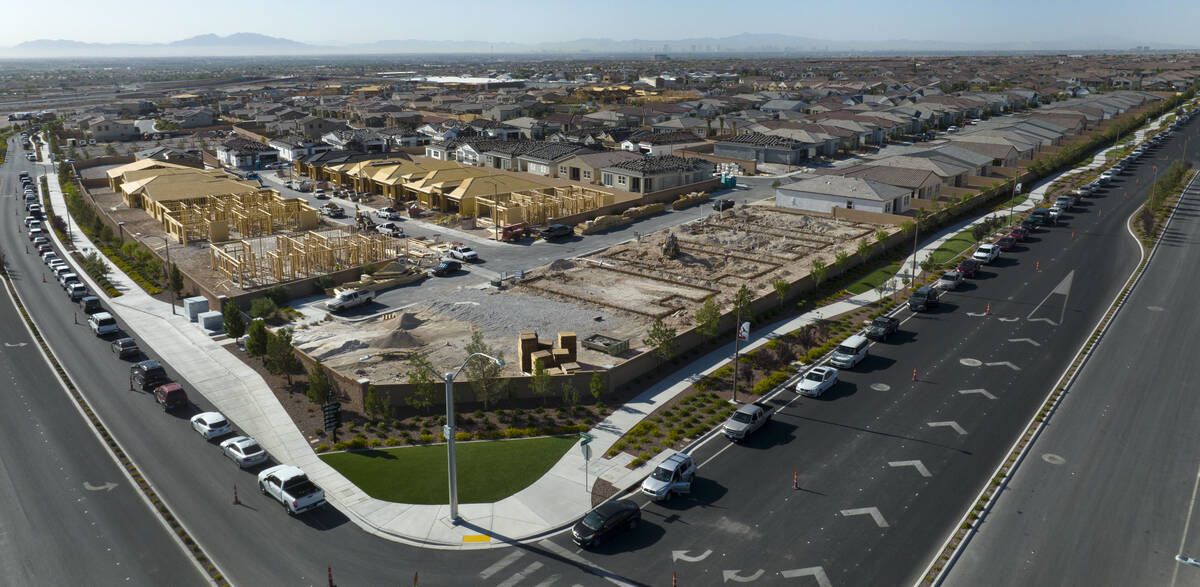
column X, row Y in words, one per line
column 824, row 193
column 649, row 174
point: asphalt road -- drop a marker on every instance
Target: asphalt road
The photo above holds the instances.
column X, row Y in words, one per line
column 886, row 465
column 1107, row 492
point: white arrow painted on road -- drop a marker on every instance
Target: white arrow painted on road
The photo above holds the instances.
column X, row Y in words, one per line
column 682, row 555
column 872, row 511
column 737, row 576
column 918, row 465
column 109, row 486
column 1008, row 319
column 1063, row 289
column 982, row 392
column 19, row 344
column 977, row 314
column 1028, row 340
column 1004, row 364
column 1046, row 320
column 954, row 425
column 817, row 573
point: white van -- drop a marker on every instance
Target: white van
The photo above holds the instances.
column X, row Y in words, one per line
column 850, row 352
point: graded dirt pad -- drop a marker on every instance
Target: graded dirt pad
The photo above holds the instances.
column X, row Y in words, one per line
column 642, row 294
column 441, row 329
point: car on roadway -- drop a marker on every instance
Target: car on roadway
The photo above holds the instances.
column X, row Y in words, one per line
column 1029, row 226
column 1055, row 213
column 171, row 396
column 556, row 231
column 924, row 299
column 851, row 352
column 606, row 520
column 49, row 257
column 1041, row 216
column 76, row 291
column 147, row 375
column 244, row 451
column 43, row 248
column 388, row 213
column 390, row 228
column 35, row 233
column 817, row 381
column 31, row 157
column 211, row 425
column 968, row 267
column 463, row 253
column 986, row 254
column 950, row 280
column 1106, row 177
column 446, row 267
column 320, row 194
column 125, row 347
column 102, row 323
column 1064, row 202
column 1006, row 243
column 722, row 204
column 90, row 305
column 882, row 327
column 674, row 475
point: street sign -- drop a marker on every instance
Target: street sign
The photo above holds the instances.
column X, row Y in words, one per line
column 587, row 452
column 1018, row 188
column 333, row 416
column 585, row 438
column 744, row 331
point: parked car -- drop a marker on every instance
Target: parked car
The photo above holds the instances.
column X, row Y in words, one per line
column 171, row 396
column 244, row 451
column 950, row 280
column 289, row 486
column 125, row 347
column 607, row 519
column 817, row 381
column 90, row 304
column 1064, row 202
column 556, row 231
column 1029, row 226
column 1041, row 216
column 76, row 291
column 320, row 194
column 1054, row 212
column 986, row 253
column 747, row 419
column 1006, row 243
column 446, row 267
column 672, row 476
column 722, row 204
column 463, row 253
column 851, row 352
column 147, row 375
column 211, row 425
column 102, row 323
column 924, row 299
column 882, row 327
column 388, row 213
column 390, row 228
column 968, row 267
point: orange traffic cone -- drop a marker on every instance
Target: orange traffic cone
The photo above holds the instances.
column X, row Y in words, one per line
column 914, row 373
column 236, row 501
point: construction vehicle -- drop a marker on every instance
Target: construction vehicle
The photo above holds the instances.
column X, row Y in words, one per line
column 670, row 247
column 363, row 221
column 515, row 232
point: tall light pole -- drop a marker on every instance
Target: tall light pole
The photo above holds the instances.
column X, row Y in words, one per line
column 448, row 429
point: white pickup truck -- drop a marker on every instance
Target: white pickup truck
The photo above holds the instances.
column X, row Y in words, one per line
column 291, row 487
column 463, row 253
column 348, row 298
column 746, row 420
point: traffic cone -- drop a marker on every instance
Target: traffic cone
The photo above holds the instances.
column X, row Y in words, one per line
column 1037, row 265
column 1072, row 235
column 914, row 373
column 330, row 569
column 988, row 311
column 673, row 580
column 236, row 501
column 796, row 480
column 43, row 277
column 131, row 383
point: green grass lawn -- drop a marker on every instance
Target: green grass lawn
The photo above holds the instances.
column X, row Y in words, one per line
column 873, row 279
column 951, row 248
column 488, row 471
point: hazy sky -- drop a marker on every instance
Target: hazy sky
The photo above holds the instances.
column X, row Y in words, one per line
column 346, row 21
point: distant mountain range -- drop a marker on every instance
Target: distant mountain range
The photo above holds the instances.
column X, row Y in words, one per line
column 253, row 44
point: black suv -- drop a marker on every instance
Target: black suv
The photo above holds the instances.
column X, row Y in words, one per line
column 556, row 231
column 923, row 299
column 147, row 375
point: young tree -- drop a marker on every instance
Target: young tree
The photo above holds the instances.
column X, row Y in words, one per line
column 319, row 386
column 176, row 281
column 864, row 249
column 818, row 272
column 281, row 360
column 881, row 237
column 708, row 317
column 235, row 326
column 424, row 385
column 596, row 385
column 374, row 404
column 256, row 345
column 661, row 340
column 782, row 287
column 840, row 258
column 483, row 373
column 741, row 303
column 541, row 381
column 570, row 395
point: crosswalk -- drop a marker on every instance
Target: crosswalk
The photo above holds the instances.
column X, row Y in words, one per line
column 514, row 569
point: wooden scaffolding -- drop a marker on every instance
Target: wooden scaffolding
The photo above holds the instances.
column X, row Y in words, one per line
column 286, row 257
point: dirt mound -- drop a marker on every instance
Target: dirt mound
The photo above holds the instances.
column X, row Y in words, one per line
column 397, row 339
column 561, row 265
column 405, row 321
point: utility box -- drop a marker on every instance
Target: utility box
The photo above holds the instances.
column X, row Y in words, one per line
column 193, row 307
column 212, row 320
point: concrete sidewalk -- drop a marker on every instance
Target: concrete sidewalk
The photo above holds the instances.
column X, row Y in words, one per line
column 549, row 504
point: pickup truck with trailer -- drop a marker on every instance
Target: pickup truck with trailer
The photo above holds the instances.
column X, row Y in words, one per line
column 349, row 298
column 746, row 420
column 290, row 487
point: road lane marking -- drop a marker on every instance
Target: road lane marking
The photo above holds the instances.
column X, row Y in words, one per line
column 969, row 362
column 1004, row 364
column 954, row 425
column 587, row 565
column 918, row 465
column 682, row 555
column 982, row 392
column 871, row 511
column 1008, row 319
column 1186, row 524
column 500, row 564
column 1063, row 289
column 521, row 574
column 550, row 581
column 737, row 577
column 817, row 573
column 107, row 486
column 1028, row 340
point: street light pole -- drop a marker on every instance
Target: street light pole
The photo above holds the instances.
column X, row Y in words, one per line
column 448, row 429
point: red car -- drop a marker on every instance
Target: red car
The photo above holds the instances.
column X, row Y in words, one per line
column 171, row 396
column 1006, row 242
column 968, row 267
column 1019, row 234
